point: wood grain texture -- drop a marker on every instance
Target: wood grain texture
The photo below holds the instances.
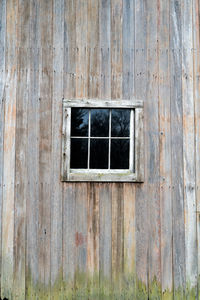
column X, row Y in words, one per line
column 105, row 240
column 177, row 143
column 93, row 51
column 7, row 268
column 116, row 49
column 117, row 236
column 196, row 86
column 105, row 44
column 23, row 77
column 141, row 190
column 70, row 50
column 32, row 215
column 2, row 100
column 81, row 239
column 189, row 151
column 69, row 238
column 81, row 49
column 93, row 229
column 62, row 240
column 129, row 241
column 56, row 185
column 45, row 145
column 165, row 152
column 153, row 152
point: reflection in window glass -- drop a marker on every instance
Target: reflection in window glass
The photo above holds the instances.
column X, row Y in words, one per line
column 99, row 122
column 120, row 122
column 119, row 154
column 79, row 122
column 99, row 153
column 79, row 153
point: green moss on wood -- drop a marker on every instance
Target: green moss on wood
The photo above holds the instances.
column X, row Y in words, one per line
column 155, row 290
column 98, row 287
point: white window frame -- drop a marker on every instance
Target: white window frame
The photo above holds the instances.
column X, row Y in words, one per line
column 136, row 170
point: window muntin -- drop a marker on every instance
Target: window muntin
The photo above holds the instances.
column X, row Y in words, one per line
column 101, row 135
column 99, row 151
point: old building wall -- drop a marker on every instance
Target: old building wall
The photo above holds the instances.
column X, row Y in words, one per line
column 99, row 240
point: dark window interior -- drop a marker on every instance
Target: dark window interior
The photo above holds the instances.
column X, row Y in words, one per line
column 100, row 138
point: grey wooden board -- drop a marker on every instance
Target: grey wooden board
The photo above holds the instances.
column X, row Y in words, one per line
column 45, row 144
column 2, row 99
column 197, row 119
column 177, row 143
column 165, row 152
column 32, row 229
column 7, row 267
column 152, row 153
column 56, row 196
column 23, row 77
column 189, row 149
column 141, row 190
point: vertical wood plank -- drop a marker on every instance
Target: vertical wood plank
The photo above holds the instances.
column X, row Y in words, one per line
column 117, row 237
column 189, row 151
column 81, row 188
column 128, row 48
column 81, row 239
column 141, row 198
column 9, row 153
column 69, row 240
column 129, row 242
column 70, row 50
column 129, row 280
column 32, row 253
column 105, row 242
column 69, row 200
column 105, row 190
column 23, row 74
column 196, row 86
column 93, row 87
column 153, row 152
column 93, row 240
column 81, row 48
column 177, row 143
column 105, row 41
column 56, row 197
column 2, row 100
column 93, row 63
column 45, row 147
column 165, row 152
column 116, row 48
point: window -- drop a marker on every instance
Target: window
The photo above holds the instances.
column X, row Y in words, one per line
column 102, row 140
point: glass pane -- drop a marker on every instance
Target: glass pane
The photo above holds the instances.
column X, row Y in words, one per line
column 119, row 154
column 79, row 153
column 79, row 122
column 99, row 122
column 99, row 154
column 120, row 122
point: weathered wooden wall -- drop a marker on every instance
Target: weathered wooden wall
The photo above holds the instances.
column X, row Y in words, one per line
column 91, row 240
